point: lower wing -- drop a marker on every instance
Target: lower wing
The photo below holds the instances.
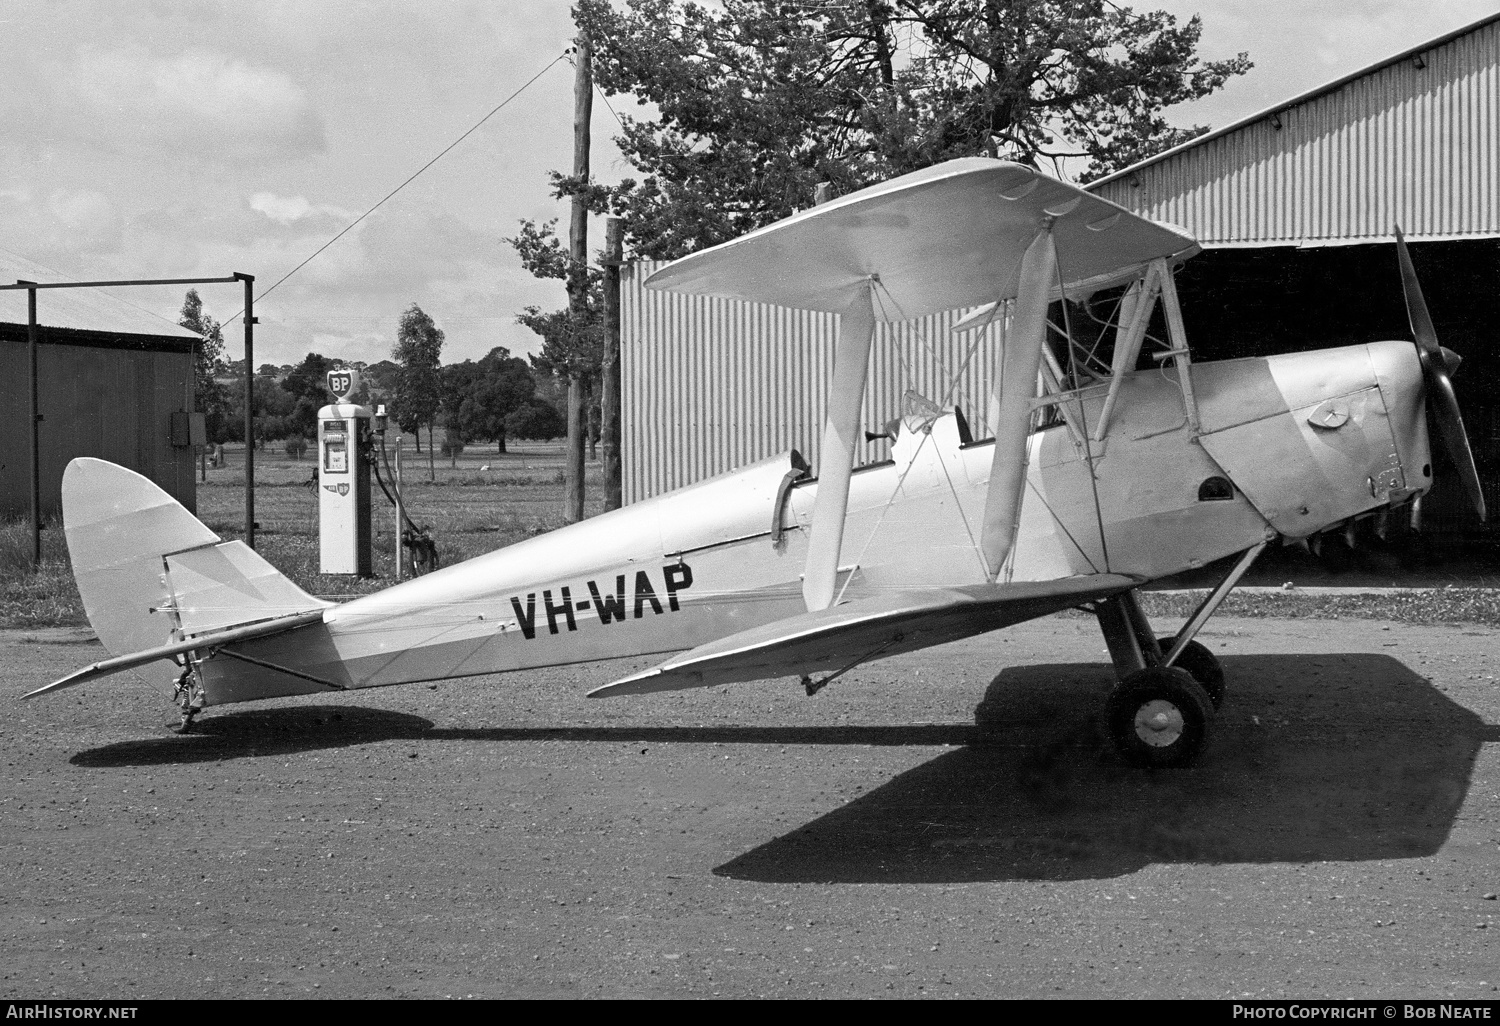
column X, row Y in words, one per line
column 841, row 636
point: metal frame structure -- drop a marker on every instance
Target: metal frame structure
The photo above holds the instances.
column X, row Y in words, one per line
column 31, row 288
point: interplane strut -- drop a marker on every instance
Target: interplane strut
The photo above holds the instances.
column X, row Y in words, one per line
column 851, row 361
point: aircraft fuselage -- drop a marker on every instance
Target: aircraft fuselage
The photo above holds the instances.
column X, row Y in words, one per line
column 1288, row 445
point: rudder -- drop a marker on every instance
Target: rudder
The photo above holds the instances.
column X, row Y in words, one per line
column 146, row 567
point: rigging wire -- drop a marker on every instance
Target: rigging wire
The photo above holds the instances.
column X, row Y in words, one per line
column 926, row 437
column 350, row 226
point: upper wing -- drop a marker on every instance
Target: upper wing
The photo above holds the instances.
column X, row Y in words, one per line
column 945, row 237
column 833, row 638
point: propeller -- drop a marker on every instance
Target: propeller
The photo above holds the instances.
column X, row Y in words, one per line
column 1438, row 366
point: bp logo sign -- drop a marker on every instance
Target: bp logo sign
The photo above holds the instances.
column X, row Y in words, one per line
column 342, row 382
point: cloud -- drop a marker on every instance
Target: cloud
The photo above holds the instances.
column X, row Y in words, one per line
column 65, row 222
column 83, row 210
column 286, row 210
column 200, row 102
column 282, row 209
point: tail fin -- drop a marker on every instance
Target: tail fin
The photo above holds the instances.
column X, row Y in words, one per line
column 149, row 572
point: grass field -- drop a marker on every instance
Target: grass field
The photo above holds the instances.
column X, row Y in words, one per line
column 484, row 500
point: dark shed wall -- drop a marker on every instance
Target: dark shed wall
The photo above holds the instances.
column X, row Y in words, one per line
column 110, row 401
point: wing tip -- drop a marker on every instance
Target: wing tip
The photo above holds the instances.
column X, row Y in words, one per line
column 649, row 682
column 76, row 677
column 625, row 685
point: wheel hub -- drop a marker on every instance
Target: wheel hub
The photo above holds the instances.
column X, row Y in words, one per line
column 1158, row 723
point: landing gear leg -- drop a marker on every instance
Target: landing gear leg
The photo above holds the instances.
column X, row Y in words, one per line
column 1209, row 605
column 1161, row 711
column 188, row 695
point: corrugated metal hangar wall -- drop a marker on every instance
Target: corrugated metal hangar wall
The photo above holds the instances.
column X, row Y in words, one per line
column 1411, row 141
column 712, row 384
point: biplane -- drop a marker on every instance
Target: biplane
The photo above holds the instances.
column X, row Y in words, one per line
column 1097, row 469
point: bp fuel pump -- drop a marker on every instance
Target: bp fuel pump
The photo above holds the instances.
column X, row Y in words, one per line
column 344, row 537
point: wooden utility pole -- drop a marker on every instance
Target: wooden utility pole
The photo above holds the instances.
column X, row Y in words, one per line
column 33, row 419
column 578, row 279
column 609, row 398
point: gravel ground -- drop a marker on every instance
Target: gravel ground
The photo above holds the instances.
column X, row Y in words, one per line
column 923, row 827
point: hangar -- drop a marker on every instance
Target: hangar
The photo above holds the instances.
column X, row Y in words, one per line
column 109, row 378
column 1295, row 207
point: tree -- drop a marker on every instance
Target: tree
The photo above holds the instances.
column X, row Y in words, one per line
column 478, row 397
column 306, row 384
column 210, row 397
column 418, row 392
column 536, row 420
column 380, row 378
column 572, row 338
column 757, row 101
column 273, row 411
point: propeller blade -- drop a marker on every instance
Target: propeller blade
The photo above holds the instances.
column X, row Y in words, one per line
column 1416, row 306
column 1443, row 405
column 1438, row 364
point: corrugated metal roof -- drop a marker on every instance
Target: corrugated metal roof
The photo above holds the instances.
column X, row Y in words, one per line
column 80, row 309
column 709, row 384
column 1413, row 140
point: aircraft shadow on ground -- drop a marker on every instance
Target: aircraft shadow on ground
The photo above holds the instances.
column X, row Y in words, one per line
column 252, row 733
column 1326, row 757
column 258, row 733
column 1331, row 757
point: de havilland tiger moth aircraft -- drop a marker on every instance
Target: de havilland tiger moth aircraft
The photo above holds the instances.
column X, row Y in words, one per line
column 1104, row 469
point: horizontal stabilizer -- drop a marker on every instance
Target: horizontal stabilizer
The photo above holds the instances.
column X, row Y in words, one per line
column 834, row 638
column 229, row 583
column 105, row 667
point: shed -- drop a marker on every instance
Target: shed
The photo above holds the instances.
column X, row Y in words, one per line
column 1296, row 207
column 109, row 377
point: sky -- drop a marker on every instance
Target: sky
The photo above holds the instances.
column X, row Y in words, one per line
column 186, row 138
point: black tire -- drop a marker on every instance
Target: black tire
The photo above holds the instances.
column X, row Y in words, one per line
column 1159, row 717
column 1202, row 664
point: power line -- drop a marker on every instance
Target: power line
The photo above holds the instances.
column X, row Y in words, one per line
column 474, row 128
column 608, row 106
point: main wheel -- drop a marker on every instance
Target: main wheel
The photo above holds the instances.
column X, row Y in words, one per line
column 1202, row 664
column 1159, row 716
